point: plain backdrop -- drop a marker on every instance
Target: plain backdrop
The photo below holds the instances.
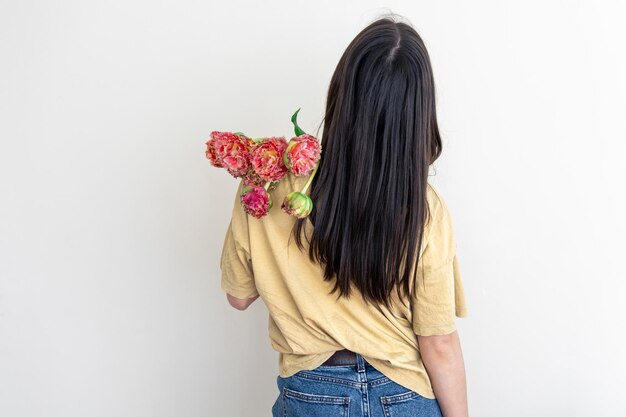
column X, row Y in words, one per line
column 112, row 219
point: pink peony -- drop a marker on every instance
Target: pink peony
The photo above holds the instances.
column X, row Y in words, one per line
column 211, row 152
column 256, row 200
column 231, row 151
column 302, row 154
column 267, row 158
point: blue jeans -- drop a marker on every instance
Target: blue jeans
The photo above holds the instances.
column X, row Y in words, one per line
column 358, row 390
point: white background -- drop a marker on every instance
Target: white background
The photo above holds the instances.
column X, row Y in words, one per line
column 112, row 219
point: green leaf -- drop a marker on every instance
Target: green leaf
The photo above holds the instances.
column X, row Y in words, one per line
column 298, row 131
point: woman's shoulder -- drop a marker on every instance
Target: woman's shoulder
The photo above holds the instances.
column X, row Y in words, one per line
column 437, row 206
column 289, row 183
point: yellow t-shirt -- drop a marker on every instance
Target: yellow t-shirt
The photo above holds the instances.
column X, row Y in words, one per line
column 307, row 325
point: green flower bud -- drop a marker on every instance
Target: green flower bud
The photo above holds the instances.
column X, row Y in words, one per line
column 297, row 204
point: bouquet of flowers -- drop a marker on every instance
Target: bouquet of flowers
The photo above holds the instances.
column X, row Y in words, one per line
column 262, row 162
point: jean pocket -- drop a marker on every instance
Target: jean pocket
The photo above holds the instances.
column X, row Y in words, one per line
column 296, row 403
column 410, row 403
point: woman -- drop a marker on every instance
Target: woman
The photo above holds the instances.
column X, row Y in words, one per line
column 359, row 330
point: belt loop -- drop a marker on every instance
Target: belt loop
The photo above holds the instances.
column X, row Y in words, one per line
column 360, row 363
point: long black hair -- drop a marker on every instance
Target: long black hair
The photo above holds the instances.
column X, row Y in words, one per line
column 380, row 137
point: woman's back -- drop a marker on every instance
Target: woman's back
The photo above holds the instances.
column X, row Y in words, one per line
column 307, row 323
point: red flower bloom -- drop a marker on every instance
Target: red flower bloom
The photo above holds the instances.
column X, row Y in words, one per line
column 302, row 154
column 211, row 152
column 256, row 200
column 231, row 151
column 267, row 158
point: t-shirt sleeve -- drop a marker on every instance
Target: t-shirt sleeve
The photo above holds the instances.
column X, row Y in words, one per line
column 235, row 260
column 438, row 289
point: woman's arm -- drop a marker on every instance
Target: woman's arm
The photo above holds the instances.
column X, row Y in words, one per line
column 443, row 361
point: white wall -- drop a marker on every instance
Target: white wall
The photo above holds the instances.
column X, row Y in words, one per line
column 111, row 218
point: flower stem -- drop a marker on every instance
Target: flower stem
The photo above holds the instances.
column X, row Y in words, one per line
column 306, row 186
column 267, row 185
